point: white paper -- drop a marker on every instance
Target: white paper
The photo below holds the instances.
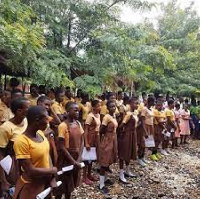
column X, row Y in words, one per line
column 46, row 192
column 168, row 134
column 82, row 164
column 149, row 142
column 68, row 168
column 90, row 155
column 6, row 164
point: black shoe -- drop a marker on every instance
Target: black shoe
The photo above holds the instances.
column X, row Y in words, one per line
column 104, row 190
column 123, row 181
column 108, row 182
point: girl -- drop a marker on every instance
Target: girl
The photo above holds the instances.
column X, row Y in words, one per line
column 108, row 144
column 32, row 151
column 92, row 126
column 170, row 124
column 177, row 118
column 127, row 140
column 71, row 143
column 10, row 130
column 159, row 126
column 85, row 108
column 184, row 124
column 148, row 121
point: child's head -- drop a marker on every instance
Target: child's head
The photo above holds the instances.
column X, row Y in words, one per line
column 120, row 95
column 60, row 95
column 159, row 105
column 45, row 102
column 72, row 110
column 112, row 97
column 171, row 103
column 177, row 106
column 150, row 101
column 6, row 97
column 37, row 117
column 96, row 105
column 134, row 103
column 111, row 105
column 20, row 107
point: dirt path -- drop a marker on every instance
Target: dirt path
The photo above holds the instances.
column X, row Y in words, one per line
column 175, row 176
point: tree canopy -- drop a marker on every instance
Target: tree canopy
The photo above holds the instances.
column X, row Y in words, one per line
column 85, row 44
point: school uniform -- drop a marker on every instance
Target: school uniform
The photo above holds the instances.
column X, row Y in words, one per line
column 8, row 134
column 108, row 142
column 5, row 113
column 72, row 133
column 38, row 154
column 127, row 139
column 93, row 122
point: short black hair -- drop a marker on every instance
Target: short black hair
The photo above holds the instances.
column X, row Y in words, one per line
column 42, row 99
column 150, row 99
column 94, row 102
column 69, row 105
column 170, row 101
column 17, row 104
column 177, row 105
column 59, row 91
column 14, row 91
column 133, row 99
column 34, row 112
column 109, row 103
column 119, row 92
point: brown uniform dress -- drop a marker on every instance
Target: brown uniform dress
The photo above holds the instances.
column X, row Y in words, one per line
column 127, row 139
column 108, row 142
column 93, row 122
column 159, row 118
column 73, row 135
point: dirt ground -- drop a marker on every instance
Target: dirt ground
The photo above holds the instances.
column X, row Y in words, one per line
column 174, row 176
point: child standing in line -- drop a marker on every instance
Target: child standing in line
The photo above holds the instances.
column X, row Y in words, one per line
column 107, row 145
column 184, row 124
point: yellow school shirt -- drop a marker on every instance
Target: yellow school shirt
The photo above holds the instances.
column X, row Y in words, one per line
column 58, row 108
column 171, row 114
column 66, row 100
column 86, row 109
column 107, row 119
column 5, row 113
column 10, row 131
column 37, row 152
column 33, row 100
column 128, row 116
column 160, row 115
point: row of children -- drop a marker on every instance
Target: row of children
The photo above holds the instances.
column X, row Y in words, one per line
column 34, row 127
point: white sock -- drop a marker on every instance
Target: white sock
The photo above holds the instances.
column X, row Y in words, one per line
column 121, row 175
column 101, row 182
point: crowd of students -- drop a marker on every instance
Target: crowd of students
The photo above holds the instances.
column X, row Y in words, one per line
column 44, row 132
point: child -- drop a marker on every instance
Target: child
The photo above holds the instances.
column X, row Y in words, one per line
column 170, row 124
column 92, row 126
column 5, row 112
column 10, row 130
column 127, row 140
column 108, row 144
column 71, row 143
column 148, row 120
column 184, row 124
column 57, row 106
column 159, row 126
column 177, row 117
column 32, row 151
